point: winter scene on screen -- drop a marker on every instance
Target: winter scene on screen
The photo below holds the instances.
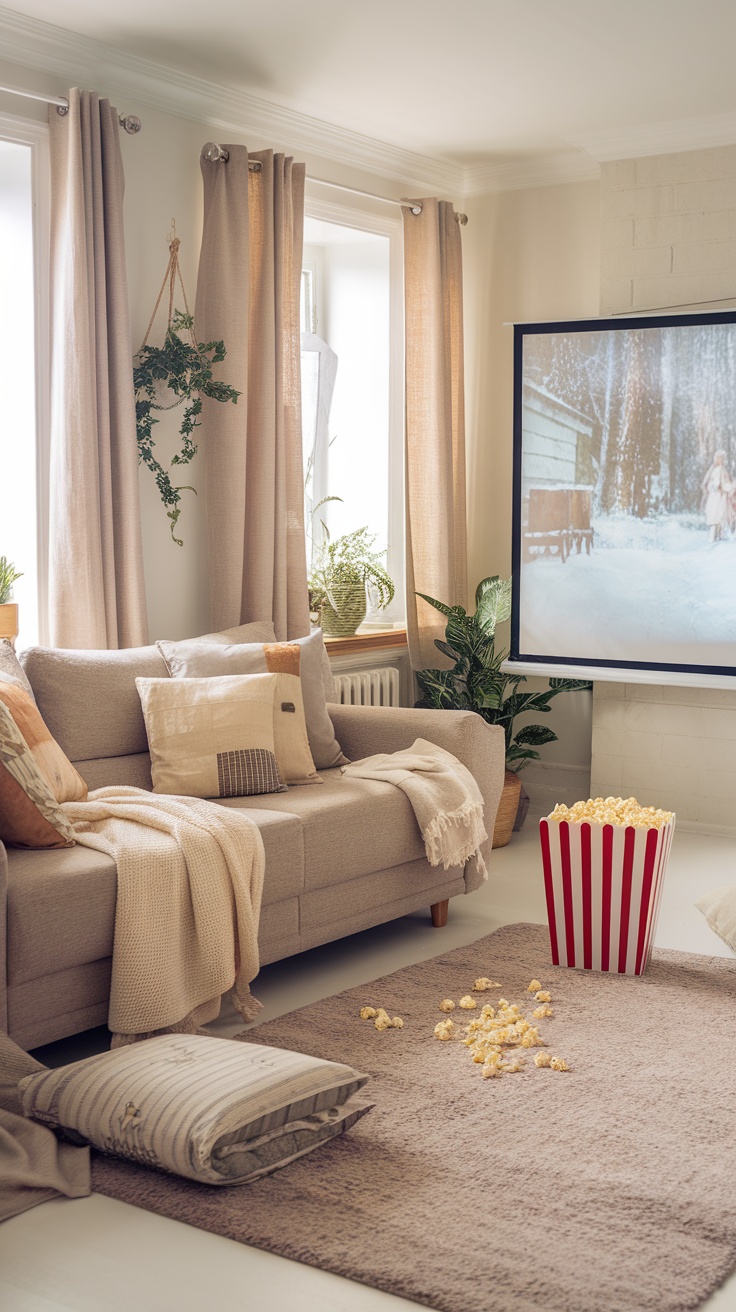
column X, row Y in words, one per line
column 628, row 495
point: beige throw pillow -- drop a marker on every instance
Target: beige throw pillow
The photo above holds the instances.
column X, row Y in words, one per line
column 212, row 737
column 212, row 1110
column 197, row 659
column 719, row 909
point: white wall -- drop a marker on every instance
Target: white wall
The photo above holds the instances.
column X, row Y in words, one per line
column 528, row 256
column 669, row 239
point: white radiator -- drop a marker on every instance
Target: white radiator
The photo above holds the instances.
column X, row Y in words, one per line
column 379, row 687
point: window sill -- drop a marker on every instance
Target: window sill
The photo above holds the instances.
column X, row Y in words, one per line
column 373, row 641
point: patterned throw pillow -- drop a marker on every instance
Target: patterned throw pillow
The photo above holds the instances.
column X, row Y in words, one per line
column 195, row 659
column 212, row 737
column 63, row 780
column 30, row 815
column 11, row 670
column 212, row 1110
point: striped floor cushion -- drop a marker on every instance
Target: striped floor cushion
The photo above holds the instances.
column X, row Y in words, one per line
column 209, row 1109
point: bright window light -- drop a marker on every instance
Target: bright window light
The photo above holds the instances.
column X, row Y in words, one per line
column 18, row 514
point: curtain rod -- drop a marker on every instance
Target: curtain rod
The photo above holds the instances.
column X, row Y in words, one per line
column 217, row 154
column 130, row 122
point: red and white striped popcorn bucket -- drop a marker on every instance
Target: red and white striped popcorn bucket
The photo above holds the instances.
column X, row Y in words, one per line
column 603, row 885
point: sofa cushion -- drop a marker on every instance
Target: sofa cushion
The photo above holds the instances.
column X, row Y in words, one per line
column 351, row 827
column 212, row 737
column 203, row 660
column 89, row 699
column 208, row 1109
column 30, row 814
column 61, row 904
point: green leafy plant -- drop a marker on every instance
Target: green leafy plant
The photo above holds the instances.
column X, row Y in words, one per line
column 476, row 681
column 8, row 575
column 185, row 367
column 340, row 574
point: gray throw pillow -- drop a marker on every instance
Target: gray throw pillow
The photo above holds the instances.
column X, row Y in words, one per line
column 197, row 659
column 212, row 1110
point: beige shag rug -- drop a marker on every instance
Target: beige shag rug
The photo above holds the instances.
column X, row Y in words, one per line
column 609, row 1188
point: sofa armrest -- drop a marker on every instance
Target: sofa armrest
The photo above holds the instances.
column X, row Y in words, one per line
column 3, row 939
column 366, row 730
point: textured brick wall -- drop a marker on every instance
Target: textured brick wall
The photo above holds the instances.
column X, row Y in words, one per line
column 668, row 239
column 668, row 230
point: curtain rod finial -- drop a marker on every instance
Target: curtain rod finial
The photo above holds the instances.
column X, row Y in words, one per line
column 214, row 154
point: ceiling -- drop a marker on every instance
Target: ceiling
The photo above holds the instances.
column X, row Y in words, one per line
column 477, row 82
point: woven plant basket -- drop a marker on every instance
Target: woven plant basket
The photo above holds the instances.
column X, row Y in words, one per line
column 343, row 614
column 507, row 808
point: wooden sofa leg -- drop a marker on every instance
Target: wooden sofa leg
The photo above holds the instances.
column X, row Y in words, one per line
column 439, row 913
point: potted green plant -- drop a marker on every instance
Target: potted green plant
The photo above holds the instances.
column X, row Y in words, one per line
column 477, row 683
column 8, row 608
column 340, row 575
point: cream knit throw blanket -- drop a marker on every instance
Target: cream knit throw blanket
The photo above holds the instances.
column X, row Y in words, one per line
column 446, row 799
column 190, row 878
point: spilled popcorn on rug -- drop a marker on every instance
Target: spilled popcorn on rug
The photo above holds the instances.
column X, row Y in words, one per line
column 499, row 1028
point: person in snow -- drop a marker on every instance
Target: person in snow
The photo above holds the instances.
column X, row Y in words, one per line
column 717, row 489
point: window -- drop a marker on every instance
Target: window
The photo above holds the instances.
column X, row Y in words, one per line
column 23, row 358
column 352, row 385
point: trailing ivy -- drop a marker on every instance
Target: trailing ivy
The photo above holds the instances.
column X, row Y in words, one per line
column 185, row 367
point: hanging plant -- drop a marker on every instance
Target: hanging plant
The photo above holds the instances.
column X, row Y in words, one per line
column 184, row 366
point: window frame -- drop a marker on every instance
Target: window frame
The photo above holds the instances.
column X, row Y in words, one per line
column 31, row 133
column 365, row 216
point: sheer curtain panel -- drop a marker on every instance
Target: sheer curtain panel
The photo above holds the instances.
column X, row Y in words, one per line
column 96, row 586
column 248, row 296
column 436, row 533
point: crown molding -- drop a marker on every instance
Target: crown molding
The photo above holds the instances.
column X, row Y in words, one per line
column 81, row 60
column 658, row 138
column 551, row 170
column 66, row 54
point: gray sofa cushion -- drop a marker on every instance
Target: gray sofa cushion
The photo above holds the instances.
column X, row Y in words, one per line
column 89, row 699
column 351, row 827
column 61, row 905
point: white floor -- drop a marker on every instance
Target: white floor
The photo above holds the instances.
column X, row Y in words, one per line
column 98, row 1255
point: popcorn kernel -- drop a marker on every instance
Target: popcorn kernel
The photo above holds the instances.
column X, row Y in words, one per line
column 444, row 1030
column 543, row 996
column 467, row 1003
column 483, row 984
column 447, row 1004
column 532, row 988
column 612, row 811
column 559, row 1064
column 368, row 1013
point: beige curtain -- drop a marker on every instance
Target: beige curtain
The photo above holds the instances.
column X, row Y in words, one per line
column 96, row 587
column 436, row 534
column 248, row 296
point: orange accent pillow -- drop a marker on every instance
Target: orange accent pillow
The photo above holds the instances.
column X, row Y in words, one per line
column 63, row 780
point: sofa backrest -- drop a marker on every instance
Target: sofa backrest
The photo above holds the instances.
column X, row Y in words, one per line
column 91, row 705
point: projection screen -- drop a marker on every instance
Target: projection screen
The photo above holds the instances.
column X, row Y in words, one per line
column 624, row 530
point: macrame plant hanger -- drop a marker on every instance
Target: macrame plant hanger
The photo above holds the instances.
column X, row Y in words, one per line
column 186, row 368
column 173, row 271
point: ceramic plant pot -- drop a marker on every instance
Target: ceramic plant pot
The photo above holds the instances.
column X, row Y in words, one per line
column 507, row 808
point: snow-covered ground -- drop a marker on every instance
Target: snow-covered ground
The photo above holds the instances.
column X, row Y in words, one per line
column 653, row 590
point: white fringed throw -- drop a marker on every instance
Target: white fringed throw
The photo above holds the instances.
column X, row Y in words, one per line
column 446, row 799
column 190, row 879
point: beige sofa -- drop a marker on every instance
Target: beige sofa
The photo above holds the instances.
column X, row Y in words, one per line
column 339, row 858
